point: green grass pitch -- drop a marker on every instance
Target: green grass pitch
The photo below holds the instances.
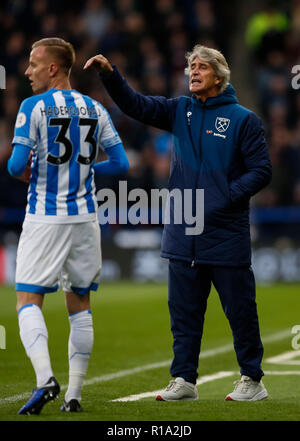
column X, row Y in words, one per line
column 132, row 332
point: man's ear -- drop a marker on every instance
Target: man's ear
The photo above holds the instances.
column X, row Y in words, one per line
column 53, row 68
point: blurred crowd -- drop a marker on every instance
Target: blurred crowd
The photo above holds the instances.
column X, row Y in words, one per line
column 148, row 41
column 273, row 41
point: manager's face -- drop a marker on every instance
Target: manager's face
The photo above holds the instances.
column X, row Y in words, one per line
column 202, row 78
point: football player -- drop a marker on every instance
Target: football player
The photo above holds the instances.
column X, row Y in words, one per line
column 60, row 240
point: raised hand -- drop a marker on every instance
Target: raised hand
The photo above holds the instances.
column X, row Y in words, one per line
column 100, row 63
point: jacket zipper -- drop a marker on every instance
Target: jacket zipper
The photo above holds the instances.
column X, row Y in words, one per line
column 196, row 155
column 201, row 130
column 190, row 135
column 195, row 152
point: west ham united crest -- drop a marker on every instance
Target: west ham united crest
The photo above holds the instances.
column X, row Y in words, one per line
column 222, row 124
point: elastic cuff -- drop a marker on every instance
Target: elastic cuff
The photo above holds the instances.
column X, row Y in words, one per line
column 25, row 306
column 83, row 291
column 257, row 377
column 38, row 289
column 85, row 310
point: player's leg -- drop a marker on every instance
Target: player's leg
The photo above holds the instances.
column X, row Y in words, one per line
column 236, row 289
column 81, row 274
column 24, row 298
column 189, row 288
column 34, row 278
column 34, row 334
column 80, row 346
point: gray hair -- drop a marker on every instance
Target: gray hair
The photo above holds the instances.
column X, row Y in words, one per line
column 215, row 58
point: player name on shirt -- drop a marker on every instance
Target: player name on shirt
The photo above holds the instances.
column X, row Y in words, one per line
column 70, row 111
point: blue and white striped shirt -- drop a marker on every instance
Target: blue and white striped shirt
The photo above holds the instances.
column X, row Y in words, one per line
column 64, row 129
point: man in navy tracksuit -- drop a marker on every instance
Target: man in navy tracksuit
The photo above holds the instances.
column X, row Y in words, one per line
column 218, row 146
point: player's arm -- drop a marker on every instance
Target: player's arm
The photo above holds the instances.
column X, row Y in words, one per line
column 111, row 143
column 116, row 164
column 18, row 164
column 24, row 141
column 156, row 111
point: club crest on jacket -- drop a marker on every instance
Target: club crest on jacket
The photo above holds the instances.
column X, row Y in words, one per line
column 222, row 124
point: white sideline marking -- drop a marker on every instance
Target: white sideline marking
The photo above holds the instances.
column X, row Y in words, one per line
column 119, row 374
column 204, row 354
column 14, row 398
column 201, row 380
column 282, row 372
column 285, row 358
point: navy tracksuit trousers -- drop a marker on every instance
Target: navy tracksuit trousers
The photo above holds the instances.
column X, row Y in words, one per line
column 189, row 288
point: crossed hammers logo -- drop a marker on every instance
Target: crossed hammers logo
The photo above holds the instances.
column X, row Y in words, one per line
column 222, row 124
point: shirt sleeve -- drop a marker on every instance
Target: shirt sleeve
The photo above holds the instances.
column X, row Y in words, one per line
column 156, row 111
column 25, row 131
column 116, row 164
column 108, row 135
column 19, row 159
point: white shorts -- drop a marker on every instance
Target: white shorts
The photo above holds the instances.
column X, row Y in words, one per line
column 50, row 255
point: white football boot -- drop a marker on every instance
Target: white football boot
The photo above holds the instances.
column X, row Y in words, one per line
column 247, row 389
column 179, row 389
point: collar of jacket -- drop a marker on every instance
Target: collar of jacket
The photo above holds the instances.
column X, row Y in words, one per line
column 226, row 97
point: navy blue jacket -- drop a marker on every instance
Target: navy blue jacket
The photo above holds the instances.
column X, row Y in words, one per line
column 218, row 146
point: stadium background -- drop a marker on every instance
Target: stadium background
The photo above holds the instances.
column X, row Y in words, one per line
column 148, row 41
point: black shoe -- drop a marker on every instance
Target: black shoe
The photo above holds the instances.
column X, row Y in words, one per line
column 40, row 396
column 72, row 406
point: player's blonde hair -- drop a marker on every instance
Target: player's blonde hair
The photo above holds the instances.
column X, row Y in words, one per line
column 215, row 58
column 61, row 50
